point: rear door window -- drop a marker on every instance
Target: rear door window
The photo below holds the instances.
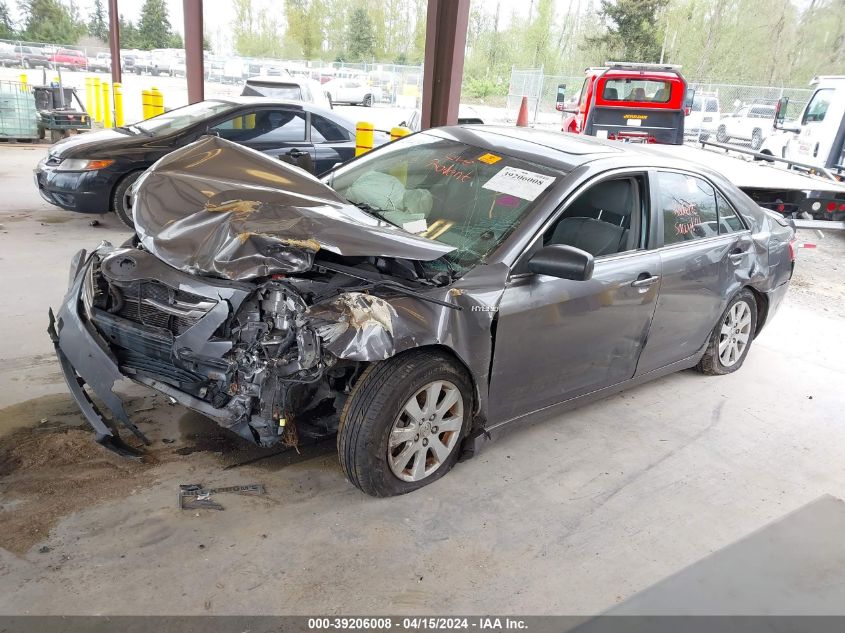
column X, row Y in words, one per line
column 324, row 130
column 688, row 206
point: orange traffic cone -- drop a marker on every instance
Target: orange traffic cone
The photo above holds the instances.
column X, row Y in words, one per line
column 522, row 117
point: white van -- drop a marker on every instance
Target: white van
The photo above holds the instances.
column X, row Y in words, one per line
column 817, row 137
column 287, row 87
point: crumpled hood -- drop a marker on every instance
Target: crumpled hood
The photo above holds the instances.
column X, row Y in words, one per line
column 221, row 209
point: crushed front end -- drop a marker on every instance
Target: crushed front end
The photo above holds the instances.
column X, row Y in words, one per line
column 243, row 354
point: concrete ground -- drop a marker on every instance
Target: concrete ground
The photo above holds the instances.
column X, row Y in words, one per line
column 571, row 515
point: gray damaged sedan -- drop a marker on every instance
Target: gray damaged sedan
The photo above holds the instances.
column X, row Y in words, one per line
column 419, row 298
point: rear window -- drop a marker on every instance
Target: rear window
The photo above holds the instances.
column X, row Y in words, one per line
column 623, row 89
column 276, row 90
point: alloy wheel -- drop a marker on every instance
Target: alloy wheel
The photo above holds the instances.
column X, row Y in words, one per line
column 426, row 431
column 735, row 333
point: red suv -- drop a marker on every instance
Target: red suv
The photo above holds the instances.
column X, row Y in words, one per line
column 69, row 58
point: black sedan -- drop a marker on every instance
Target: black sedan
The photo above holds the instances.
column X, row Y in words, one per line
column 91, row 173
column 421, row 298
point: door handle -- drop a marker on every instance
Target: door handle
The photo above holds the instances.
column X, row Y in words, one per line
column 296, row 153
column 645, row 282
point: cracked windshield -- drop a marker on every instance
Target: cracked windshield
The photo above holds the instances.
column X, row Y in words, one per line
column 451, row 192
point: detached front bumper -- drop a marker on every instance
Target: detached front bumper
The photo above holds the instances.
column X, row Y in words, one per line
column 85, row 359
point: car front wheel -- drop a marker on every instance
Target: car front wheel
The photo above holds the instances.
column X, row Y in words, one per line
column 368, row 101
column 756, row 139
column 732, row 336
column 722, row 134
column 403, row 423
column 119, row 202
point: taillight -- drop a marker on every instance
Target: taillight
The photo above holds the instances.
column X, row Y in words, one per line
column 792, row 250
column 831, row 207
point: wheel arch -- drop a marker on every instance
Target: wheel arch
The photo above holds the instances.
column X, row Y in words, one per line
column 762, row 308
column 118, row 182
column 445, row 350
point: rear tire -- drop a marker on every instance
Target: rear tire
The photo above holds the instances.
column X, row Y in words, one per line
column 368, row 101
column 381, row 446
column 118, row 202
column 756, row 139
column 731, row 337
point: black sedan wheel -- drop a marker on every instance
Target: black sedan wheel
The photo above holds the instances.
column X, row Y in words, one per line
column 403, row 423
column 732, row 336
column 119, row 202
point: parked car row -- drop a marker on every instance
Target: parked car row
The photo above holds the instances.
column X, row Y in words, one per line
column 24, row 56
column 750, row 124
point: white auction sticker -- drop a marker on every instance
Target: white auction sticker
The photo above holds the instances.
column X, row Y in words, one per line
column 519, row 182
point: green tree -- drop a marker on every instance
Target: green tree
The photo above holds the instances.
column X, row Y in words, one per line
column 128, row 33
column 306, row 21
column 360, row 37
column 97, row 22
column 154, row 25
column 256, row 33
column 49, row 21
column 7, row 27
column 633, row 32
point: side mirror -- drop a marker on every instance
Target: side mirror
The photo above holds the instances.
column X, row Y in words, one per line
column 688, row 101
column 780, row 112
column 562, row 261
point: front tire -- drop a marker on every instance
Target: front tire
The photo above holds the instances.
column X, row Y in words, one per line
column 722, row 134
column 403, row 423
column 732, row 336
column 368, row 101
column 756, row 139
column 118, row 203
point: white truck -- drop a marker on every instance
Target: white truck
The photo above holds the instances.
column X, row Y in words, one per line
column 800, row 168
column 816, row 137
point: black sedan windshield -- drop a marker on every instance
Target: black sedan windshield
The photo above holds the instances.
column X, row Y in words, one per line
column 183, row 118
column 451, row 192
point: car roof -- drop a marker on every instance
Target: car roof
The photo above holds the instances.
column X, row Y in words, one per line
column 554, row 149
column 287, row 103
column 566, row 152
column 278, row 79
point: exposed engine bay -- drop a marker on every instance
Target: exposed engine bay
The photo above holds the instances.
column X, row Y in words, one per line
column 252, row 355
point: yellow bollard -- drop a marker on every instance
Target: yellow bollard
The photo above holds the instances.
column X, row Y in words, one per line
column 157, row 101
column 107, row 118
column 118, row 105
column 24, row 85
column 364, row 137
column 249, row 121
column 146, row 104
column 398, row 132
column 89, row 100
column 238, row 123
column 98, row 111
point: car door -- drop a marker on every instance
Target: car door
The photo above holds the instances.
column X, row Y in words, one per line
column 705, row 255
column 815, row 139
column 279, row 132
column 556, row 339
column 332, row 143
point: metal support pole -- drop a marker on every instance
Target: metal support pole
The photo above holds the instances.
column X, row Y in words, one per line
column 445, row 44
column 193, row 50
column 114, row 42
